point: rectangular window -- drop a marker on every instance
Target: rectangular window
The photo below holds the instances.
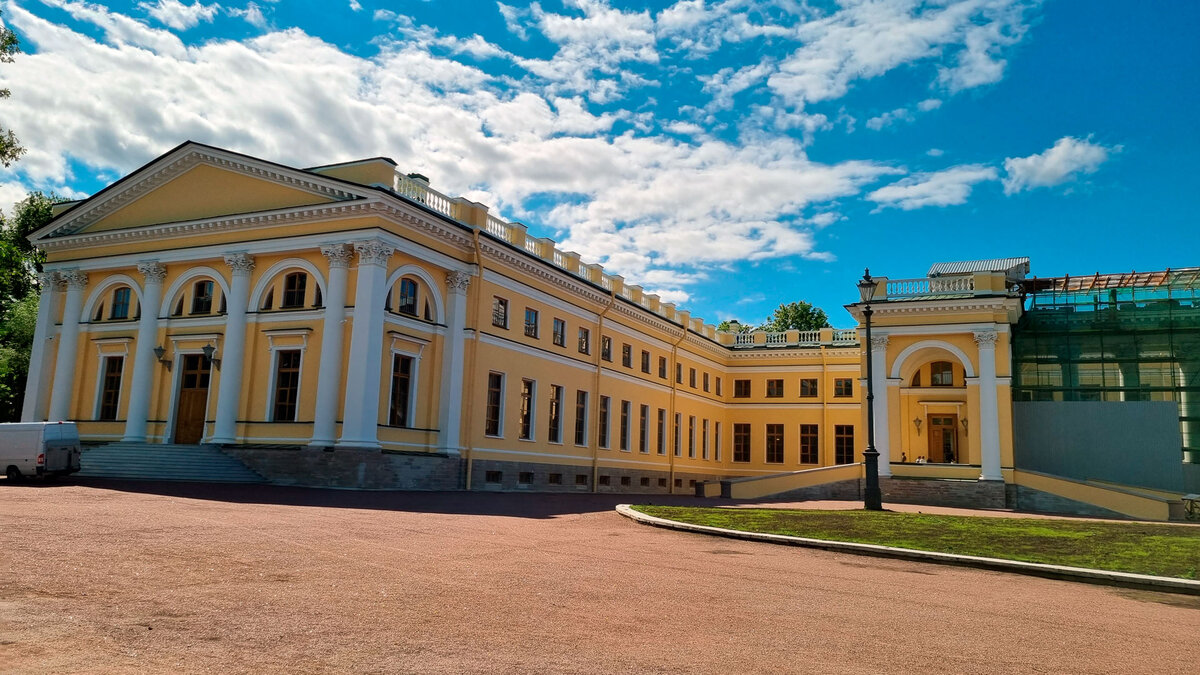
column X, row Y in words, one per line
column 662, row 431
column 401, row 391
column 531, row 322
column 842, row 387
column 705, row 381
column 692, row 436
column 407, row 304
column 110, row 393
column 495, row 398
column 941, row 374
column 808, row 387
column 774, row 388
column 624, row 440
column 644, row 429
column 774, row 443
column 717, row 441
column 627, row 355
column 718, row 392
column 287, row 385
column 202, row 296
column 294, row 285
column 741, row 442
column 678, row 373
column 809, row 444
column 499, row 312
column 678, row 435
column 606, row 348
column 645, row 362
column 741, row 388
column 604, row 403
column 581, row 416
column 704, row 439
column 560, row 333
column 526, row 410
column 120, row 306
column 554, row 432
column 662, row 367
column 843, row 444
column 692, row 378
column 585, row 344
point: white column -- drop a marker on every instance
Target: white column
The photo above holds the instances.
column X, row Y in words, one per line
column 233, row 352
column 329, row 379
column 34, row 407
column 68, row 341
column 360, row 417
column 882, row 430
column 989, row 413
column 450, row 405
column 141, row 379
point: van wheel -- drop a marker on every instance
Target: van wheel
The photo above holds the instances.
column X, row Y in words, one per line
column 13, row 473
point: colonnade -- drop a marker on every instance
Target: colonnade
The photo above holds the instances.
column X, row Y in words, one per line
column 362, row 376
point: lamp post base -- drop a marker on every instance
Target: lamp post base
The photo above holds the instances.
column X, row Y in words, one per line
column 872, row 495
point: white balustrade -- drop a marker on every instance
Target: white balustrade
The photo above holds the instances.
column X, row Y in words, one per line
column 743, row 339
column 776, row 339
column 559, row 258
column 955, row 284
column 845, row 336
column 810, row 337
column 498, row 228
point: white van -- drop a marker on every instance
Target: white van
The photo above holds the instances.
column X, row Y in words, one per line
column 39, row 449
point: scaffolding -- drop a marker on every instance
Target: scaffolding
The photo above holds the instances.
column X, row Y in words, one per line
column 1113, row 337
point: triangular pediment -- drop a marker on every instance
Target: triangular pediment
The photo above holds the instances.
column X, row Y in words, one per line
column 196, row 182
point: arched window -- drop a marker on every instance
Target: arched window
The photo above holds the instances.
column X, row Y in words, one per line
column 202, row 297
column 916, row 381
column 269, row 301
column 120, row 304
column 294, row 286
column 941, row 374
column 406, row 303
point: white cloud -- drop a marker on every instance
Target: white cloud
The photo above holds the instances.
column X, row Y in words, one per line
column 941, row 188
column 888, row 118
column 253, row 15
column 1066, row 160
column 355, row 6
column 929, row 104
column 650, row 206
column 179, row 16
column 935, row 152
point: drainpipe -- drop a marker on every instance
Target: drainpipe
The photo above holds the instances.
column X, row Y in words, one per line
column 468, row 404
column 612, row 300
column 675, row 442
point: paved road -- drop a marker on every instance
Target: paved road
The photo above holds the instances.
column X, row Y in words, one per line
column 104, row 576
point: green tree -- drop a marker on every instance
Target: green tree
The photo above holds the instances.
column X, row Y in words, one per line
column 10, row 148
column 796, row 316
column 734, row 326
column 16, row 342
column 19, row 264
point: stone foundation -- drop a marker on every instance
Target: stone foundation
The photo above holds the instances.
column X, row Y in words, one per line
column 496, row 475
column 842, row 490
column 967, row 494
column 358, row 469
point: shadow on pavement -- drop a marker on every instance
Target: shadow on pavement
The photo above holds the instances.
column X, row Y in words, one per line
column 512, row 504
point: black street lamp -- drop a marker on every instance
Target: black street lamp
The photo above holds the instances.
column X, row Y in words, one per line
column 872, row 497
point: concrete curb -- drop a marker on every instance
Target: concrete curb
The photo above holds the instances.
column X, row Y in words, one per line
column 1103, row 577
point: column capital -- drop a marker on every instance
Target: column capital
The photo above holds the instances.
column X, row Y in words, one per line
column 986, row 339
column 373, row 252
column 339, row 254
column 152, row 272
column 74, row 279
column 879, row 343
column 242, row 264
column 458, row 282
column 48, row 280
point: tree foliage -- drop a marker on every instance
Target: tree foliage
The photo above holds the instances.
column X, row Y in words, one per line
column 796, row 316
column 10, row 148
column 19, row 264
column 734, row 327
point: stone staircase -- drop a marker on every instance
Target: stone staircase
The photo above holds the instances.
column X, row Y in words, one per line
column 153, row 461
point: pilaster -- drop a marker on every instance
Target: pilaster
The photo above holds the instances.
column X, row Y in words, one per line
column 360, row 417
column 68, row 343
column 329, row 379
column 882, row 419
column 450, row 403
column 989, row 413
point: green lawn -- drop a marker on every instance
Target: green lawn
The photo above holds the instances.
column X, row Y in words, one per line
column 1162, row 550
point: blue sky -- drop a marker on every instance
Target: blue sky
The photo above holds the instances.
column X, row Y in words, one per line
column 727, row 155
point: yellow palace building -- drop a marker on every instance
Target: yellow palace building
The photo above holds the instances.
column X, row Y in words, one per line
column 350, row 325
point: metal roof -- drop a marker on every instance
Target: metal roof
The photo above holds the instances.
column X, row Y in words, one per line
column 1187, row 278
column 1016, row 267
